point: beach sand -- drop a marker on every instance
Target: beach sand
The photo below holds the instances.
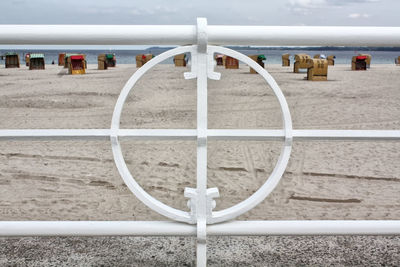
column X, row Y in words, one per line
column 77, row 180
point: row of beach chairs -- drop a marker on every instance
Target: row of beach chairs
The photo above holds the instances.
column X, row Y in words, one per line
column 75, row 63
column 179, row 60
column 317, row 67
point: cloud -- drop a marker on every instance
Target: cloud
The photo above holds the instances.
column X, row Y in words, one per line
column 307, row 3
column 358, row 16
column 322, row 3
column 155, row 10
column 305, row 7
column 99, row 11
column 344, row 2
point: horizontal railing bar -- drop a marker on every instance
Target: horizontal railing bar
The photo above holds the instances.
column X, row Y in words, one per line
column 231, row 134
column 309, row 227
column 95, row 228
column 55, row 134
column 102, row 134
column 165, row 228
column 301, row 135
column 97, row 34
column 191, row 134
column 186, row 34
column 157, row 134
column 346, row 135
column 304, row 35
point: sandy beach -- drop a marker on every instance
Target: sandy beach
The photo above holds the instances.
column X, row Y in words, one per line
column 77, row 180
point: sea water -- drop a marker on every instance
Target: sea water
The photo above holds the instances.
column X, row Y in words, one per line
column 273, row 55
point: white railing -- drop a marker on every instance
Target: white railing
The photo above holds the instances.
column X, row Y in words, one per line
column 201, row 220
column 187, row 34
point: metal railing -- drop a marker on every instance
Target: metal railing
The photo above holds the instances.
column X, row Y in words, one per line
column 201, row 220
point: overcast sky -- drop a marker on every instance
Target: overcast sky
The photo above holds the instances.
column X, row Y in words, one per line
column 238, row 12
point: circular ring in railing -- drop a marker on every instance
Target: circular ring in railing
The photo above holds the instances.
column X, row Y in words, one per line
column 217, row 216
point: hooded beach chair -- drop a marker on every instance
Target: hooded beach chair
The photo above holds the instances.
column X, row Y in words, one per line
column 77, row 64
column 12, row 60
column 359, row 62
column 259, row 59
column 317, row 69
column 300, row 62
column 111, row 60
column 331, row 60
column 61, row 59
column 231, row 63
column 219, row 60
column 101, row 62
column 36, row 61
column 180, row 60
column 285, row 60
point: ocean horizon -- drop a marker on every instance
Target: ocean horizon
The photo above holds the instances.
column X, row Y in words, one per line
column 273, row 55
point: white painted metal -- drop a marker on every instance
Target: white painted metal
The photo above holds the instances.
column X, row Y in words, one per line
column 314, row 227
column 350, row 135
column 200, row 59
column 186, row 34
column 246, row 134
column 54, row 134
column 157, row 134
column 168, row 228
column 95, row 228
column 201, row 203
column 201, row 200
column 97, row 34
column 304, row 35
column 305, row 135
column 191, row 134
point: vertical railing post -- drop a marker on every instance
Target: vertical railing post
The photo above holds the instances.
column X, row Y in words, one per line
column 201, row 205
column 201, row 200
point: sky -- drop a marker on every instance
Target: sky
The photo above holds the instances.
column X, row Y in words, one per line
column 228, row 12
column 217, row 12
